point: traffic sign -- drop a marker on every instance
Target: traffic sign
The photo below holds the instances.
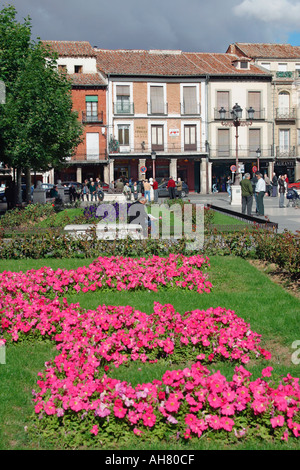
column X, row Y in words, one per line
column 143, row 169
column 233, row 168
column 254, row 169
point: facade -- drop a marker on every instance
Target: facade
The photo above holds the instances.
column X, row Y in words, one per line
column 156, row 115
column 283, row 62
column 78, row 60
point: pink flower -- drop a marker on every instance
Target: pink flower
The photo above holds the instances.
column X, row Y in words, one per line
column 277, row 421
column 267, row 372
column 226, row 423
column 94, row 430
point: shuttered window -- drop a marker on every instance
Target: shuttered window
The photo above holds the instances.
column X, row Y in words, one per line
column 157, row 99
column 223, row 143
column 190, row 100
column 223, row 100
column 123, row 135
column 190, row 142
column 254, row 142
column 157, row 137
column 254, row 101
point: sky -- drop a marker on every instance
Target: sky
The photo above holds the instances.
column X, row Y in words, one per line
column 187, row 25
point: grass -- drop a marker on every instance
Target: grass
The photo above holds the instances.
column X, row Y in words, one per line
column 270, row 310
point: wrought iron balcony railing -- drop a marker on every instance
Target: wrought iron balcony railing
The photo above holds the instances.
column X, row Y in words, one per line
column 190, row 110
column 159, row 109
column 258, row 114
column 92, row 117
column 121, row 107
column 285, row 152
column 285, row 114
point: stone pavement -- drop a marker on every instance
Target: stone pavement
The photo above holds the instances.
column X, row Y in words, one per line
column 286, row 218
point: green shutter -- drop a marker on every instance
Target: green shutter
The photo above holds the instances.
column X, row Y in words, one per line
column 91, row 99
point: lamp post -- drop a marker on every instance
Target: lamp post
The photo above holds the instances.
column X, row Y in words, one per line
column 236, row 114
column 258, row 154
column 153, row 156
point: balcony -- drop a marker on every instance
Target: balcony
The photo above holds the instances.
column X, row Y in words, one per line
column 95, row 118
column 191, row 110
column 285, row 114
column 159, row 109
column 258, row 114
column 244, row 152
column 121, row 107
column 289, row 75
column 285, row 152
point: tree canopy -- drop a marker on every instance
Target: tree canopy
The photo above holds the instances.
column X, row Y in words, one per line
column 38, row 128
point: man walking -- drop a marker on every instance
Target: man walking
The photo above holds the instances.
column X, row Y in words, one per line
column 281, row 190
column 260, row 190
column 171, row 188
column 247, row 194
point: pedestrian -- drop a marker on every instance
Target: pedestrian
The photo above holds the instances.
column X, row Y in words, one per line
column 247, row 194
column 253, row 182
column 72, row 193
column 147, row 189
column 281, row 190
column 99, row 190
column 228, row 185
column 268, row 184
column 135, row 190
column 155, row 190
column 138, row 214
column 171, row 188
column 119, row 186
column 85, row 191
column 274, row 185
column 127, row 191
column 179, row 187
column 260, row 190
column 93, row 191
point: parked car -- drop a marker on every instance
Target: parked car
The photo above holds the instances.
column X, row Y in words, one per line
column 164, row 192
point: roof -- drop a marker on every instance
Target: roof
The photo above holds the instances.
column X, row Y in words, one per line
column 169, row 63
column 87, row 79
column 71, row 48
column 265, row 51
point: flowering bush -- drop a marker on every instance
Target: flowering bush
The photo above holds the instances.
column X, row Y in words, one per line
column 78, row 403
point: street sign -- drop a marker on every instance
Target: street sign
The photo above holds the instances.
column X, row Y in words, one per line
column 233, row 168
column 143, row 169
column 254, row 169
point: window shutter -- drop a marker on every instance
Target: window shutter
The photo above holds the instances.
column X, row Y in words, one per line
column 122, row 90
column 254, row 142
column 223, row 100
column 190, row 100
column 223, row 142
column 157, row 99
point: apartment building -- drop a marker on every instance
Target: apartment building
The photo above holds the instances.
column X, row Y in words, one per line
column 78, row 60
column 283, row 62
column 156, row 115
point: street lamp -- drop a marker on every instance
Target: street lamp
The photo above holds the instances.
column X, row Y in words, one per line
column 236, row 114
column 153, row 156
column 258, row 154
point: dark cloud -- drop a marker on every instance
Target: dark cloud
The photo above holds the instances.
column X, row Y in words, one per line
column 190, row 25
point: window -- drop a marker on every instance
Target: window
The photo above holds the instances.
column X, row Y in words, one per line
column 78, row 68
column 283, row 105
column 222, row 102
column 123, row 99
column 282, row 67
column 284, row 140
column 254, row 142
column 190, row 105
column 223, row 143
column 190, row 141
column 244, row 64
column 157, row 105
column 157, row 137
column 254, row 101
column 266, row 65
column 123, row 134
column 62, row 68
column 91, row 108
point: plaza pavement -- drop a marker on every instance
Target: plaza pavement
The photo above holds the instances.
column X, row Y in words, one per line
column 286, row 218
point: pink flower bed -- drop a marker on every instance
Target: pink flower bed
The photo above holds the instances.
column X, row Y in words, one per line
column 114, row 273
column 189, row 402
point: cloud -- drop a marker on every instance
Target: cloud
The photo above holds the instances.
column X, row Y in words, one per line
column 283, row 13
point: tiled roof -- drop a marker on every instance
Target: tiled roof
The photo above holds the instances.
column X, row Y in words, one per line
column 87, row 79
column 71, row 48
column 221, row 64
column 266, row 51
column 169, row 63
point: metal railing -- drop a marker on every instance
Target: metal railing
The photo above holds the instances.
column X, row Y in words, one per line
column 285, row 152
column 193, row 110
column 121, row 107
column 259, row 114
column 157, row 110
column 92, row 117
column 243, row 152
column 285, row 113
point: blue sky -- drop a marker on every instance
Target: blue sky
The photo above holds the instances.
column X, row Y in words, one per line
column 189, row 25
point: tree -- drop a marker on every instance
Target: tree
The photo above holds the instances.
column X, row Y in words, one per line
column 38, row 127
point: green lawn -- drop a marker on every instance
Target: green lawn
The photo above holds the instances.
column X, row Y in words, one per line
column 270, row 310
